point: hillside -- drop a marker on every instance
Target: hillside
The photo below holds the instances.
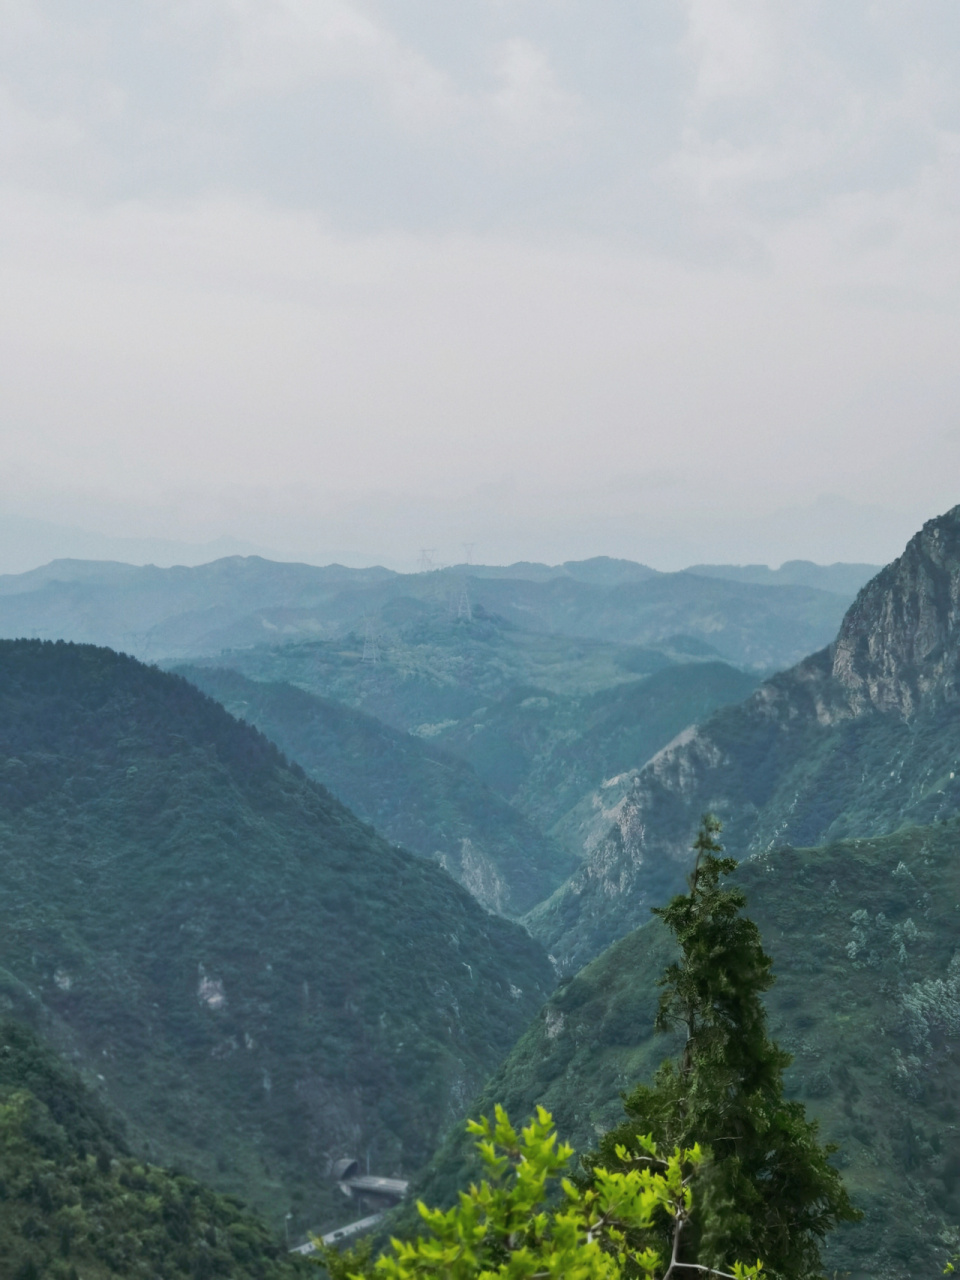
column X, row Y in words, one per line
column 263, row 983
column 546, row 724
column 863, row 935
column 417, row 795
column 856, row 740
column 548, row 752
column 185, row 613
column 75, row 1203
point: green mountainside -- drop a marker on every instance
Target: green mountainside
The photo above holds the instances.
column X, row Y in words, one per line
column 75, row 1204
column 546, row 723
column 547, row 752
column 417, row 795
column 856, row 740
column 432, row 671
column 185, row 613
column 863, row 936
column 263, row 983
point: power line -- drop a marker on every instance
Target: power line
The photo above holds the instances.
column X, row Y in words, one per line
column 371, row 646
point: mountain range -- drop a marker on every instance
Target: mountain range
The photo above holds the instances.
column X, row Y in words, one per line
column 196, row 909
column 182, row 612
column 76, row 1201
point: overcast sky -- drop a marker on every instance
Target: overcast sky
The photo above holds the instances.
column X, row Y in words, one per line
column 345, row 278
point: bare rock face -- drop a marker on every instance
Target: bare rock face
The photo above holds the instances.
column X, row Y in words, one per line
column 853, row 741
column 899, row 645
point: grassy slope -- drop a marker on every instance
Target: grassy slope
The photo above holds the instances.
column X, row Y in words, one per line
column 417, row 795
column 73, row 1202
column 157, row 856
column 862, row 934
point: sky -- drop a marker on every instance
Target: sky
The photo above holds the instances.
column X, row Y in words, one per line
column 674, row 280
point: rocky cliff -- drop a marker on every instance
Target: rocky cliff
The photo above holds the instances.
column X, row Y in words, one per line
column 855, row 740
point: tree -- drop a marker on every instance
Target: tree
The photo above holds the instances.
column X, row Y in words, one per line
column 514, row 1225
column 766, row 1187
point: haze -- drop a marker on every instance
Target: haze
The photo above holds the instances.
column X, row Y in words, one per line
column 674, row 281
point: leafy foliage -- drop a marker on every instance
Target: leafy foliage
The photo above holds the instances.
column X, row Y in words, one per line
column 513, row 1224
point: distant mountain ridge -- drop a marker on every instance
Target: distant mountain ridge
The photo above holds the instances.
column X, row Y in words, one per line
column 854, row 741
column 183, row 613
column 844, row 579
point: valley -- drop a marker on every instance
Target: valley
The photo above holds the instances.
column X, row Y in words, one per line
column 289, row 900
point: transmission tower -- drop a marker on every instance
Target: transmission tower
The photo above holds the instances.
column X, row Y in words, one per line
column 426, row 559
column 371, row 647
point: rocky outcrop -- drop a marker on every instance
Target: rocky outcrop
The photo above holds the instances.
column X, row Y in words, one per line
column 898, row 649
column 854, row 740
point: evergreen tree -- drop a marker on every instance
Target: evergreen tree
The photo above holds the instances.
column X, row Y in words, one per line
column 767, row 1189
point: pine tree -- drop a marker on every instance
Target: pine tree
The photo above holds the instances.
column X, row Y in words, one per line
column 767, row 1189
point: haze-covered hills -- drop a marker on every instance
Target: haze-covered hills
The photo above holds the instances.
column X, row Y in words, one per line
column 262, row 982
column 863, row 936
column 843, row 579
column 417, row 795
column 183, row 613
column 856, row 740
column 548, row 724
column 75, row 1202
column 547, row 752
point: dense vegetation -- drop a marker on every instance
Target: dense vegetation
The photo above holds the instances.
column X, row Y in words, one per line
column 766, row 1189
column 527, row 1220
column 264, row 984
column 548, row 753
column 429, row 801
column 863, row 937
column 74, row 1202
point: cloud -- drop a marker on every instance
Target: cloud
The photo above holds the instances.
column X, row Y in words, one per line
column 276, row 47
column 531, row 106
column 270, row 242
column 734, row 46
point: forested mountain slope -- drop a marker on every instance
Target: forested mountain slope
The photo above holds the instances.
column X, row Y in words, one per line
column 184, row 613
column 854, row 741
column 549, row 730
column 548, row 752
column 417, row 795
column 75, row 1203
column 863, row 936
column 263, row 983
